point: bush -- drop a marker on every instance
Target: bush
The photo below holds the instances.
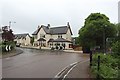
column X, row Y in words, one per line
column 116, row 49
column 3, row 45
column 108, row 66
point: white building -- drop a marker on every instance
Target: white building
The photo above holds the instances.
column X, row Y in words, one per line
column 23, row 39
column 47, row 36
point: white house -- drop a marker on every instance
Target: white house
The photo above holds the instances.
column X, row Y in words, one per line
column 23, row 39
column 47, row 36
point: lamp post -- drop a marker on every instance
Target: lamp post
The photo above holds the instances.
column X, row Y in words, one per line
column 10, row 23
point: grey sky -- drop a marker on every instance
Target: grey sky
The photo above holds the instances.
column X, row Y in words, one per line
column 28, row 14
column 119, row 12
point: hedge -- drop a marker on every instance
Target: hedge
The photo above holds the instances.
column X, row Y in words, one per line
column 3, row 45
column 108, row 66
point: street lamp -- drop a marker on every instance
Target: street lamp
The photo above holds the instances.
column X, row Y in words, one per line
column 10, row 23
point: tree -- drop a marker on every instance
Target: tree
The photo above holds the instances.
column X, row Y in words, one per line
column 97, row 28
column 32, row 40
column 116, row 49
column 118, row 32
column 76, row 40
column 7, row 35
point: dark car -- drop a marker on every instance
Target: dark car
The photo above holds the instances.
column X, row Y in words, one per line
column 18, row 45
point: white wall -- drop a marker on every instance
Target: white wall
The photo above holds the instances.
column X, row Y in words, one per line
column 68, row 35
column 27, row 41
column 23, row 41
column 41, row 32
column 48, row 36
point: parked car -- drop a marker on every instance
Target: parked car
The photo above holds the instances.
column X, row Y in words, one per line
column 18, row 45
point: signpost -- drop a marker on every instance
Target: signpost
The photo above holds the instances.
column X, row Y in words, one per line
column 8, row 48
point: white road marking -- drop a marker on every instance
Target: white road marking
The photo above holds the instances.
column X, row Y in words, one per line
column 63, row 70
column 73, row 68
column 7, row 58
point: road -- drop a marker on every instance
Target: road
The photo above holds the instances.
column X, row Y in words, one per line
column 38, row 64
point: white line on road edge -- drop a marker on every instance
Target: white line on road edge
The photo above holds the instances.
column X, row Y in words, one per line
column 69, row 72
column 73, row 68
column 58, row 75
column 7, row 58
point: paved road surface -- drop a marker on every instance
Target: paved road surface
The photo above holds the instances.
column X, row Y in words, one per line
column 38, row 64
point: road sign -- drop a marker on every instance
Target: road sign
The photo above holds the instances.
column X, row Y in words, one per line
column 6, row 48
column 9, row 47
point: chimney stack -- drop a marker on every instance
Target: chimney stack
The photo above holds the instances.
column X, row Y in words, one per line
column 38, row 26
column 48, row 25
column 68, row 24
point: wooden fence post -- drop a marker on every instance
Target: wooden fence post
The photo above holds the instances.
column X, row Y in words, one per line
column 98, row 63
column 98, row 68
column 90, row 58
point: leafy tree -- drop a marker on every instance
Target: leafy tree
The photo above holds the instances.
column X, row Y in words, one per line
column 7, row 38
column 118, row 32
column 76, row 40
column 116, row 49
column 32, row 40
column 7, row 35
column 96, row 29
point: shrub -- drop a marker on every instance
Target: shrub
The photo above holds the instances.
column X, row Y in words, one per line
column 116, row 49
column 3, row 45
column 108, row 65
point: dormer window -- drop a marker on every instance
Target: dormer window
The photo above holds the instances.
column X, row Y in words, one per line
column 59, row 36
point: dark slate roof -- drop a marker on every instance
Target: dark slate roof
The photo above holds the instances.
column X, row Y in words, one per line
column 35, row 33
column 50, row 40
column 60, row 40
column 54, row 30
column 21, row 35
column 59, row 30
column 46, row 29
column 41, row 39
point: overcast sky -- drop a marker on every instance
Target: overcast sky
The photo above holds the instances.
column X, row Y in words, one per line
column 28, row 14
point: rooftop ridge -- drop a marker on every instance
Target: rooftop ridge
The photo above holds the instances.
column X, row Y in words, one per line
column 59, row 27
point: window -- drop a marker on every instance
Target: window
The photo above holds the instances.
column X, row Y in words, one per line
column 42, row 36
column 59, row 36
